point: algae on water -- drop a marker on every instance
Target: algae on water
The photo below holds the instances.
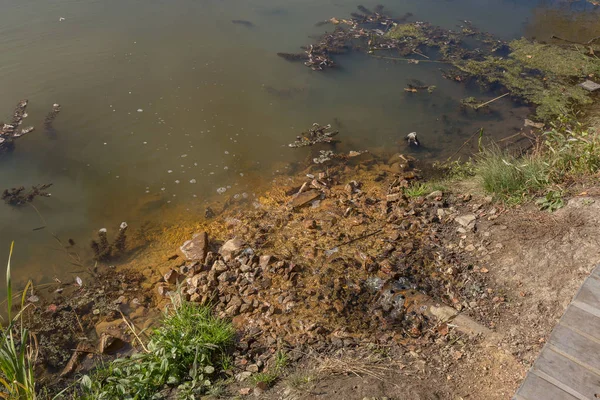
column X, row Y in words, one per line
column 545, row 75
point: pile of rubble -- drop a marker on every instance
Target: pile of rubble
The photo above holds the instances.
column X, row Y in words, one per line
column 331, row 262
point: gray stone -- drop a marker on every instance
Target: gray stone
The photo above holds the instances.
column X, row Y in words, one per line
column 242, row 376
column 434, row 195
column 252, row 368
column 466, row 220
column 196, row 248
column 231, row 248
column 590, row 86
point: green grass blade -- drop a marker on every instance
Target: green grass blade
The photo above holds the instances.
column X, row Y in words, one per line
column 8, row 282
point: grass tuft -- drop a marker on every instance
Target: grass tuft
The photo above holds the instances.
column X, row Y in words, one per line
column 510, row 178
column 18, row 350
column 185, row 353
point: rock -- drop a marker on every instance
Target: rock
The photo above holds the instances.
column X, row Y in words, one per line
column 219, row 267
column 242, row 376
column 435, row 195
column 196, row 280
column 231, row 248
column 172, row 277
column 310, row 224
column 470, row 248
column 264, row 261
column 305, row 198
column 466, row 220
column 196, row 248
column 110, row 344
column 590, row 86
column 260, row 388
column 393, row 197
column 252, row 368
column 162, row 289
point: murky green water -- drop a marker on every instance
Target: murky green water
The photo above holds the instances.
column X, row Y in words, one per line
column 217, row 105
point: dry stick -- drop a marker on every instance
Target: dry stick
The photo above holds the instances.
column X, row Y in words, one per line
column 360, row 238
column 79, row 322
column 511, row 136
column 419, row 53
column 491, row 101
column 592, row 40
column 132, row 329
column 410, row 59
column 465, row 143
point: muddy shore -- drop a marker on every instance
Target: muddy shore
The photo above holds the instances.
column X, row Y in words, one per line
column 333, row 265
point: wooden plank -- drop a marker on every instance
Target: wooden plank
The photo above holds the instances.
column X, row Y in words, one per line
column 536, row 388
column 581, row 320
column 583, row 383
column 576, row 347
column 588, row 309
column 590, row 292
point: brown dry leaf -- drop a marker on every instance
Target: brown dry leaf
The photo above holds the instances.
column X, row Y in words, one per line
column 457, row 355
column 484, row 270
column 245, row 391
column 443, row 329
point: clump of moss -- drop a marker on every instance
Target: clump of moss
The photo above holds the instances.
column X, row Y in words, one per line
column 551, row 59
column 406, row 31
column 541, row 74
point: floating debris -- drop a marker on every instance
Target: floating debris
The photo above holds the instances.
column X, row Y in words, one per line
column 243, row 22
column 50, row 119
column 416, row 86
column 8, row 132
column 326, row 155
column 18, row 196
column 316, row 134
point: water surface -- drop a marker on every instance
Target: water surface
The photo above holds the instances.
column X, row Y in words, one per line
column 164, row 102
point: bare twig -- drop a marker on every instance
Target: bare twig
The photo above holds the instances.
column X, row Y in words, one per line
column 410, row 59
column 132, row 329
column 491, row 101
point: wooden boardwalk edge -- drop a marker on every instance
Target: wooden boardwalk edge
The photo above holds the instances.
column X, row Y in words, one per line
column 568, row 367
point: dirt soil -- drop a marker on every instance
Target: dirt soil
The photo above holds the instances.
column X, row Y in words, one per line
column 538, row 259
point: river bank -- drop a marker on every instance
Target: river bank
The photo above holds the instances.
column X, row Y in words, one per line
column 371, row 283
column 356, row 274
